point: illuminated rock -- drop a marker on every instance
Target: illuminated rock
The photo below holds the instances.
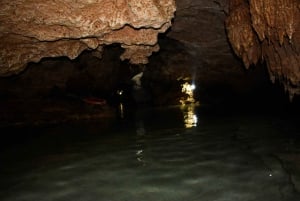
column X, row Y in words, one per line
column 268, row 31
column 258, row 30
column 32, row 29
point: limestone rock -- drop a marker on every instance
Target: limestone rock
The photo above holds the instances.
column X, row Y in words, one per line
column 32, row 29
column 269, row 31
column 199, row 24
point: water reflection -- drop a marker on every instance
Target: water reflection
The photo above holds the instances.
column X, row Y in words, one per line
column 146, row 120
column 140, row 128
column 121, row 110
column 140, row 132
column 189, row 115
column 154, row 158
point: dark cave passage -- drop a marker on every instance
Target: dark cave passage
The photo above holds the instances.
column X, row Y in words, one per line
column 191, row 124
column 59, row 89
column 84, row 129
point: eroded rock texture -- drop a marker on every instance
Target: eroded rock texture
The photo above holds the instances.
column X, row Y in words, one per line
column 199, row 25
column 33, row 29
column 268, row 30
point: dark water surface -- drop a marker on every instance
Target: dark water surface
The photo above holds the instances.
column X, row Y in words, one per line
column 174, row 153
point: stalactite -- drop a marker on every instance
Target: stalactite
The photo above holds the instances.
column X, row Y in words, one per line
column 239, row 29
column 275, row 25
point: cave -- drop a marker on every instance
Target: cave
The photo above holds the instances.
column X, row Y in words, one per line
column 150, row 100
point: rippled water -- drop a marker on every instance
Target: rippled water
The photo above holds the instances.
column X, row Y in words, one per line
column 154, row 154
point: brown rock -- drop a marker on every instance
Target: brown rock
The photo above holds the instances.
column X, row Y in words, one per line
column 32, row 29
column 268, row 30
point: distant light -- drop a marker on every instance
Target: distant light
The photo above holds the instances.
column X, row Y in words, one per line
column 193, row 86
column 120, row 92
column 188, row 89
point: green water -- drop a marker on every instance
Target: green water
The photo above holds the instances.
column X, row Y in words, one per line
column 170, row 153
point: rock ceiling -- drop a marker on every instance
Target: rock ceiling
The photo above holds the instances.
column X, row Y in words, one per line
column 33, row 29
column 257, row 31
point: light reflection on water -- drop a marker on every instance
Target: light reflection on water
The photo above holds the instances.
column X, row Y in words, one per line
column 140, row 133
column 189, row 115
column 154, row 158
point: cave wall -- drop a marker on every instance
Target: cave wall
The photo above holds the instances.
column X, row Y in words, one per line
column 258, row 33
column 61, row 77
column 234, row 86
column 268, row 31
column 199, row 25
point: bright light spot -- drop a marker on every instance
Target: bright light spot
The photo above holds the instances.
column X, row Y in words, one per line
column 188, row 105
column 188, row 89
column 139, row 156
column 121, row 109
column 120, row 92
column 139, row 152
column 189, row 115
column 193, row 87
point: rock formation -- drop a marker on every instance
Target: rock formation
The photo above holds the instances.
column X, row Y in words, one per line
column 199, row 25
column 268, row 31
column 32, row 29
column 258, row 31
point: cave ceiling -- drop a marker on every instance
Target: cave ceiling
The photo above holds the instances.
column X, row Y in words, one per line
column 214, row 33
column 33, row 29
